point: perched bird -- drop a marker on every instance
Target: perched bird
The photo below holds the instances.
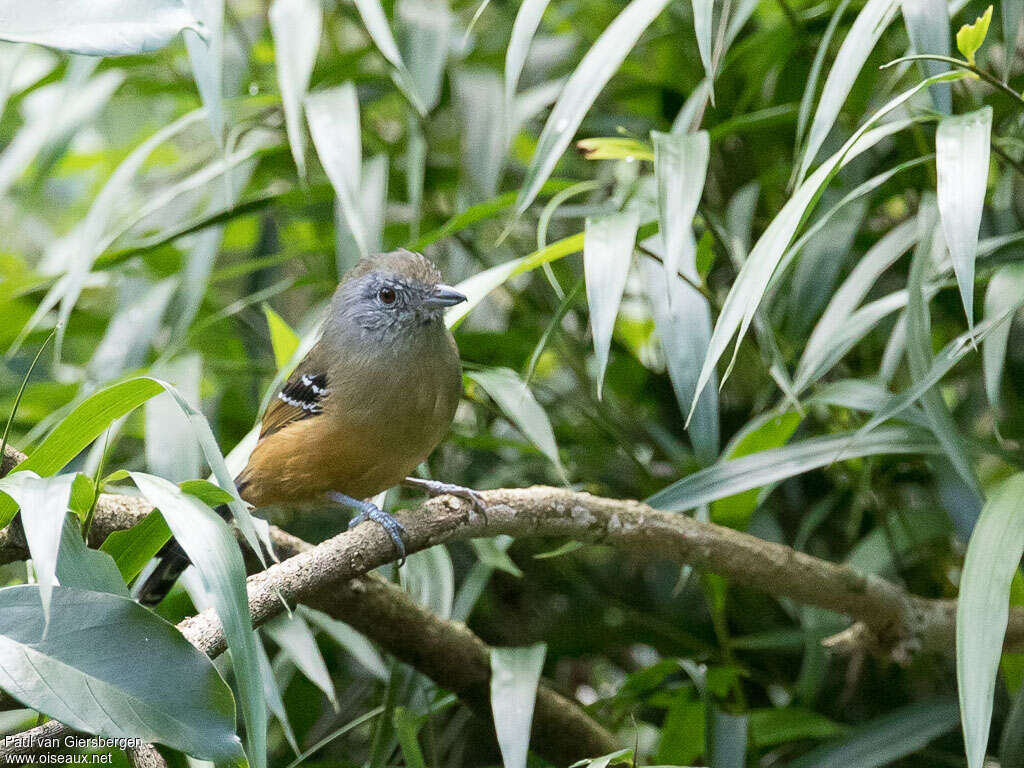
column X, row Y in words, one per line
column 371, row 400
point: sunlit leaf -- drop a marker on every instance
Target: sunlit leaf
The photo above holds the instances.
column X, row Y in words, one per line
column 871, row 22
column 1005, row 288
column 515, row 673
column 296, row 640
column 212, row 549
column 524, row 27
column 961, row 160
column 582, row 88
column 296, row 26
column 993, row 554
column 970, row 36
column 283, row 339
column 703, row 12
column 44, row 505
column 520, row 406
column 607, row 255
column 99, row 27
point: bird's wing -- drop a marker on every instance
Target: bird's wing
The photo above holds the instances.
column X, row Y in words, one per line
column 301, row 397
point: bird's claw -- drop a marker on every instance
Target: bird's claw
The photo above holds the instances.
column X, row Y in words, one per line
column 370, row 511
column 434, row 488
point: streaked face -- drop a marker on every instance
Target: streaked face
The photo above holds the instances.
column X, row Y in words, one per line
column 384, row 303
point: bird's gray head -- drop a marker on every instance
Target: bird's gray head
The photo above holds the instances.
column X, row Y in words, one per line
column 395, row 295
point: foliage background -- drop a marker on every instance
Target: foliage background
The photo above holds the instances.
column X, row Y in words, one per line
column 685, row 666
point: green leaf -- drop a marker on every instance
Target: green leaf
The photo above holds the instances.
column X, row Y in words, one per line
column 961, row 160
column 296, row 27
column 886, row 739
column 495, row 555
column 618, row 756
column 871, row 22
column 608, row 243
column 993, row 553
column 1004, row 289
column 970, row 36
column 518, row 404
column 1011, row 14
column 111, row 28
column 133, row 548
column 172, row 451
column 728, row 478
column 919, row 346
column 333, row 116
column 528, row 19
column 569, row 546
column 44, row 505
column 836, row 318
column 750, row 285
column 376, row 23
column 206, row 54
column 682, row 319
column 352, row 642
column 84, row 568
column 761, row 434
column 424, row 28
column 112, row 668
column 614, row 148
column 79, row 428
column 482, row 131
column 296, row 640
column 429, row 578
column 515, row 673
column 212, row 549
column 283, row 339
column 582, row 88
column 726, row 738
column 771, row 727
column 407, row 729
column 272, row 693
column 927, row 23
column 703, row 14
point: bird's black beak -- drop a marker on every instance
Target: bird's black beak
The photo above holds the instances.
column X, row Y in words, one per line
column 443, row 296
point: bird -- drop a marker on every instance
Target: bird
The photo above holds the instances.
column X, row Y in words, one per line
column 367, row 404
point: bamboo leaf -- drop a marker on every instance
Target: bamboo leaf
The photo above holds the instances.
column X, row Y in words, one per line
column 993, row 553
column 607, row 254
column 296, row 27
column 961, row 160
column 515, row 673
column 582, row 88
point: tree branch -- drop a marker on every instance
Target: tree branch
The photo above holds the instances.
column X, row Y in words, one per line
column 445, row 651
column 891, row 620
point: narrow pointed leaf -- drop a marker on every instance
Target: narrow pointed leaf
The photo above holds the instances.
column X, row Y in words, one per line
column 206, row 53
column 212, row 549
column 424, row 28
column 333, row 116
column 582, row 88
column 993, row 554
column 1004, row 290
column 515, row 673
column 296, row 640
column 927, row 23
column 961, row 160
column 1011, row 12
column 682, row 319
column 608, row 244
column 680, row 167
column 524, row 28
column 98, row 27
column 44, row 505
column 868, row 27
column 728, row 478
column 703, row 12
column 84, row 568
column 296, row 26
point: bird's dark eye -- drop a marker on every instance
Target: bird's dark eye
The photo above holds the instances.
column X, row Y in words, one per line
column 387, row 295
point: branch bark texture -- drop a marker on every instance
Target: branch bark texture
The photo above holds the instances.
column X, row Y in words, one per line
column 332, row 576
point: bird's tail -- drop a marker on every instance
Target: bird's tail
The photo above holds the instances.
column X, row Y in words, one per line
column 172, row 561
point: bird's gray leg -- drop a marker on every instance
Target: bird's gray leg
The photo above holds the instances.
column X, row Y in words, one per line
column 367, row 510
column 437, row 488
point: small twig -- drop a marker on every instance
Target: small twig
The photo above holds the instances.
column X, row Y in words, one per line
column 698, row 288
column 991, row 79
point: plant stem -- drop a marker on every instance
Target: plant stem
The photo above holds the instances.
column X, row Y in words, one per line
column 989, row 78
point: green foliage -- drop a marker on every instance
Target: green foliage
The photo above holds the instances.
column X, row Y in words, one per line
column 969, row 37
column 681, row 228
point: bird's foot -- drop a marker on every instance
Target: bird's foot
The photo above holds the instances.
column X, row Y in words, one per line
column 435, row 488
column 367, row 510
